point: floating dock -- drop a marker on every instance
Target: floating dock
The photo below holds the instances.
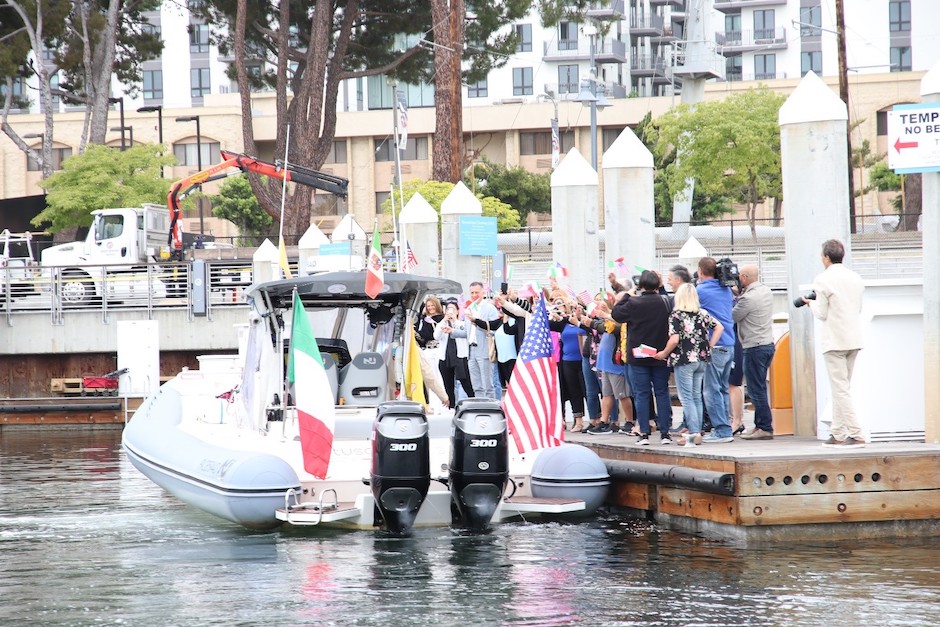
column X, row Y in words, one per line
column 788, row 488
column 66, row 411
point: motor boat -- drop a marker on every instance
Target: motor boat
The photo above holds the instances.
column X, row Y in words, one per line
column 227, row 437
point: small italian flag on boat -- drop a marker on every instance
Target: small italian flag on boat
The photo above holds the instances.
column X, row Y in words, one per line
column 316, row 414
column 375, row 276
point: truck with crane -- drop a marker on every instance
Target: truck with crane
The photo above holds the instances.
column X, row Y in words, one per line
column 112, row 260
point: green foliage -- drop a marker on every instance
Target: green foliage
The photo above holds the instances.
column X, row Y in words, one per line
column 237, row 203
column 703, row 206
column 515, row 186
column 730, row 147
column 883, row 178
column 102, row 178
column 435, row 192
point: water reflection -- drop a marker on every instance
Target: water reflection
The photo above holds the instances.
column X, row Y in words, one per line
column 86, row 539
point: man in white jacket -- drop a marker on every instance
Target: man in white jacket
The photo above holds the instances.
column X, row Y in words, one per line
column 481, row 368
column 838, row 304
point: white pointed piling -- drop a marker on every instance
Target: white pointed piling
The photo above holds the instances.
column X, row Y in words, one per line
column 814, row 160
column 462, row 268
column 309, row 246
column 420, row 223
column 930, row 225
column 629, row 211
column 264, row 263
column 575, row 214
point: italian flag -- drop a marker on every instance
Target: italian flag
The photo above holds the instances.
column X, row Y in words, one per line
column 313, row 396
column 375, row 277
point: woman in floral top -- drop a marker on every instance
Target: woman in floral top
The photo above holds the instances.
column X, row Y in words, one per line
column 688, row 351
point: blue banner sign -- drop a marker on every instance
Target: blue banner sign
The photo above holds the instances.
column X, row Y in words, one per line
column 339, row 248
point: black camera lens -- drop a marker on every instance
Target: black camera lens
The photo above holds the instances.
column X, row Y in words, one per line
column 798, row 302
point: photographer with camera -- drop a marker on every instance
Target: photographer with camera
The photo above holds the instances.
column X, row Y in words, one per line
column 838, row 303
column 753, row 313
column 717, row 299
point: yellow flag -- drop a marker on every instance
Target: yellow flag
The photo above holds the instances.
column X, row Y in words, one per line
column 282, row 259
column 414, row 381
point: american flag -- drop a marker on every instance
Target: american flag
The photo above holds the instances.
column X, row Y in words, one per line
column 410, row 262
column 532, row 404
column 585, row 298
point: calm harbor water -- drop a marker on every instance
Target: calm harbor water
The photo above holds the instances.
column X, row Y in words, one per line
column 86, row 540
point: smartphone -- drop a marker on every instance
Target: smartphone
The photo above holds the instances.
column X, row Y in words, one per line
column 504, row 288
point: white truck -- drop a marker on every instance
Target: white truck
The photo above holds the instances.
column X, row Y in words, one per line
column 110, row 261
column 19, row 270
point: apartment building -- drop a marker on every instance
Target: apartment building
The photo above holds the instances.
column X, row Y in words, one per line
column 637, row 48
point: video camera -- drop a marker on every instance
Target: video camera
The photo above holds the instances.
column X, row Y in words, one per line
column 726, row 271
column 798, row 301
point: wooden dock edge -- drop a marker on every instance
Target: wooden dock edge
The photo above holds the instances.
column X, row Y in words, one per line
column 854, row 496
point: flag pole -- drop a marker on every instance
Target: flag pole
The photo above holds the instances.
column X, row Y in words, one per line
column 396, row 244
column 281, row 247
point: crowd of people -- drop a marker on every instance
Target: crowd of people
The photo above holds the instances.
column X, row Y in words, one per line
column 616, row 353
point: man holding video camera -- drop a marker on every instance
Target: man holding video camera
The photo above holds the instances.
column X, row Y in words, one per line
column 837, row 301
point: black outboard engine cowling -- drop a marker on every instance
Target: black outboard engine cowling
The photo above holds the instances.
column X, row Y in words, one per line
column 401, row 466
column 479, row 462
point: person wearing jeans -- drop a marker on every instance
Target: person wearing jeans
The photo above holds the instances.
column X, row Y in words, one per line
column 753, row 313
column 688, row 352
column 717, row 299
column 646, row 317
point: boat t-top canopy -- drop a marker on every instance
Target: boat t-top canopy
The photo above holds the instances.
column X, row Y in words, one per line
column 332, row 289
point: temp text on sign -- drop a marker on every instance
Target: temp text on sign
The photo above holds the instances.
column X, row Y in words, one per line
column 914, row 138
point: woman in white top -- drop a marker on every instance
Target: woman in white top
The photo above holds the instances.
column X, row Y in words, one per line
column 453, row 350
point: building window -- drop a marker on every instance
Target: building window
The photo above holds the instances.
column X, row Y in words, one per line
column 567, row 36
column 58, row 156
column 521, row 81
column 811, row 61
column 199, row 38
column 567, row 79
column 478, row 89
column 733, row 29
column 899, row 16
column 417, row 149
column 901, row 59
column 199, row 82
column 153, row 84
column 764, row 24
column 765, row 67
column 881, row 122
column 380, row 199
column 540, row 142
column 337, row 153
column 524, row 36
column 186, row 153
column 810, row 21
column 54, row 86
column 734, row 68
column 152, row 29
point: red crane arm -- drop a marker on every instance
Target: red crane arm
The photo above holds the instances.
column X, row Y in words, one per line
column 244, row 163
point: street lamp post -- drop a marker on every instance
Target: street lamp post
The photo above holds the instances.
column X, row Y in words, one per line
column 130, row 131
column 589, row 95
column 195, row 118
column 158, row 109
column 120, row 103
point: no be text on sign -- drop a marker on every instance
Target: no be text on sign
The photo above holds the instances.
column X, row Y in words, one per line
column 914, row 138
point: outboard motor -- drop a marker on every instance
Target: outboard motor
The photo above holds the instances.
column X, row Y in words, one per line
column 401, row 465
column 479, row 462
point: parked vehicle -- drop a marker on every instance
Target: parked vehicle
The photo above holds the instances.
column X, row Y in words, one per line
column 18, row 264
column 108, row 262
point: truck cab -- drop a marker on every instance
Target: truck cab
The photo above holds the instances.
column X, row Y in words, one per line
column 111, row 258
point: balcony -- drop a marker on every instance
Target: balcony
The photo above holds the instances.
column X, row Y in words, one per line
column 606, row 50
column 736, row 5
column 738, row 41
column 699, row 62
column 648, row 66
column 571, row 91
column 679, row 4
column 612, row 10
column 646, row 26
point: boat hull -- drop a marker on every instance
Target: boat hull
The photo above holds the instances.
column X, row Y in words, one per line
column 245, row 487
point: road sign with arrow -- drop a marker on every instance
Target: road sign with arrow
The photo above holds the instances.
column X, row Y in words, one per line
column 914, row 138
